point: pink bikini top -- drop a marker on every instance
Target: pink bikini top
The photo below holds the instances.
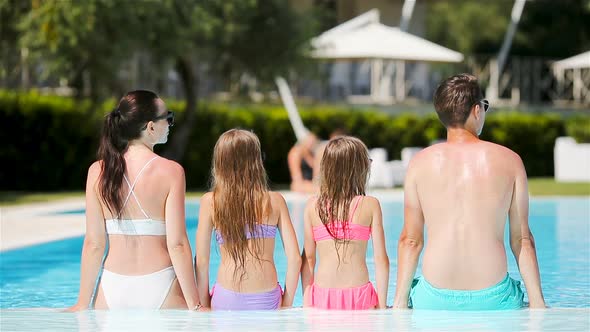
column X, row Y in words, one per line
column 354, row 231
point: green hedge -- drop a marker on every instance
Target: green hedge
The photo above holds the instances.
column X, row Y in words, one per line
column 579, row 127
column 49, row 142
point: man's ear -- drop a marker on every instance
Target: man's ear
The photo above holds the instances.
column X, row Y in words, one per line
column 475, row 110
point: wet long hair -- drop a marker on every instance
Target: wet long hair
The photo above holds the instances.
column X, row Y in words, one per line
column 344, row 171
column 120, row 126
column 240, row 194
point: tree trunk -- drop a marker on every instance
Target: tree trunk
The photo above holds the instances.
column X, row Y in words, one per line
column 177, row 147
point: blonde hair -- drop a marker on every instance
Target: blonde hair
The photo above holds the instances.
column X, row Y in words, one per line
column 344, row 170
column 240, row 193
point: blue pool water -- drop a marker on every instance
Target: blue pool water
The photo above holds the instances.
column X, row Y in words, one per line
column 47, row 275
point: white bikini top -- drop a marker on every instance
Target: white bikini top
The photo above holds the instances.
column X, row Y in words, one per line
column 146, row 226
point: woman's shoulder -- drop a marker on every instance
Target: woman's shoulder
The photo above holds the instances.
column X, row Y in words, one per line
column 166, row 170
column 169, row 165
column 94, row 171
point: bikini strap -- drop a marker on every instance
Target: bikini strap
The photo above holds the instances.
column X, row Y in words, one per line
column 132, row 187
column 359, row 198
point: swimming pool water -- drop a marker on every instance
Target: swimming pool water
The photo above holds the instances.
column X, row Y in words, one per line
column 297, row 320
column 47, row 275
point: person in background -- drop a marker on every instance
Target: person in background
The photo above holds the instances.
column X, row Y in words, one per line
column 304, row 162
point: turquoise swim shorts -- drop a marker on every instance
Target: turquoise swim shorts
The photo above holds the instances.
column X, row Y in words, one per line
column 505, row 295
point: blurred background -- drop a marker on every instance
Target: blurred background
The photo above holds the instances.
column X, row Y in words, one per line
column 369, row 67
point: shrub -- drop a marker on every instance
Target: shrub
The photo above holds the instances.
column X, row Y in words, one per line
column 49, row 141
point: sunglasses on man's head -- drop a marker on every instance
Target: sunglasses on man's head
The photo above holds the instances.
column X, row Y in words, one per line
column 486, row 104
column 169, row 116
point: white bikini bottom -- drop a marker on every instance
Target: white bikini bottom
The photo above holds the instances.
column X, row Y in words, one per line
column 146, row 291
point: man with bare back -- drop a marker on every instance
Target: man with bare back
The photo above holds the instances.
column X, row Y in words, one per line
column 461, row 192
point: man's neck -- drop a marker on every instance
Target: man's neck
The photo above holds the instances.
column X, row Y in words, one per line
column 461, row 135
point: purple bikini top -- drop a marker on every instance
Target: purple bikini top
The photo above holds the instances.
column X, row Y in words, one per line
column 260, row 231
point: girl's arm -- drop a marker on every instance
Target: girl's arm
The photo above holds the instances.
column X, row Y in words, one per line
column 308, row 255
column 291, row 248
column 380, row 252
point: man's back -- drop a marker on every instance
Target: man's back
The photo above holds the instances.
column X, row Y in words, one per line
column 461, row 192
column 465, row 191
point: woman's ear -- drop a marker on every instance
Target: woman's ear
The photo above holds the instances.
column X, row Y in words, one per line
column 150, row 126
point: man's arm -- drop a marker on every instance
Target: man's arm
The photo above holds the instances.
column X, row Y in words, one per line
column 522, row 242
column 411, row 240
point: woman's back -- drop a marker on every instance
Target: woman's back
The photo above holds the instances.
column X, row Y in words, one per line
column 145, row 190
column 135, row 211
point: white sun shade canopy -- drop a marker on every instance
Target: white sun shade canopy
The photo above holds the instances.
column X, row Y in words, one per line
column 577, row 61
column 374, row 40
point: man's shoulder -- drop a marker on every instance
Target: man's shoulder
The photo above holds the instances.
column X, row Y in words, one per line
column 500, row 150
column 427, row 152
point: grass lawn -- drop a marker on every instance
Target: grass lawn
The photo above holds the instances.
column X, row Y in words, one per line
column 548, row 187
column 20, row 197
column 8, row 198
column 537, row 187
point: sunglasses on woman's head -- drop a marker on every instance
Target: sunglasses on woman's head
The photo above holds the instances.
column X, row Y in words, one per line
column 169, row 116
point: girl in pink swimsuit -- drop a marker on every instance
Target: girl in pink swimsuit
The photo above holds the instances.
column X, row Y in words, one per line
column 338, row 225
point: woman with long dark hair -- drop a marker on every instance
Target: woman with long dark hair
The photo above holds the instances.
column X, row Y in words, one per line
column 135, row 203
column 245, row 217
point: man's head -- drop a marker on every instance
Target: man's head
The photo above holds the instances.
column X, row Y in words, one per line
column 459, row 103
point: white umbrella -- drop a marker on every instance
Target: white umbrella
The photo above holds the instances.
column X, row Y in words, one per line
column 378, row 41
column 580, row 81
column 578, row 61
column 365, row 38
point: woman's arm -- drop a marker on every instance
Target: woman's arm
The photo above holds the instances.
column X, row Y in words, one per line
column 203, row 244
column 95, row 240
column 308, row 255
column 176, row 238
column 380, row 253
column 291, row 248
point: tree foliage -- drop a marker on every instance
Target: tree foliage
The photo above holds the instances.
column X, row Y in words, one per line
column 547, row 28
column 89, row 42
column 97, row 37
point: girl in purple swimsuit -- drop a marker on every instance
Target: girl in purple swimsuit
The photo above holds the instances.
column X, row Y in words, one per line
column 245, row 217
